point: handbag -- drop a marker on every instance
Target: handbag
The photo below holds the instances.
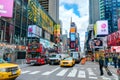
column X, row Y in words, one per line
column 108, row 71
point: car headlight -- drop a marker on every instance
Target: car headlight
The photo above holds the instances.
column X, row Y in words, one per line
column 2, row 70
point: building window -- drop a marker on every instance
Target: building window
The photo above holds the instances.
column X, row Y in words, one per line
column 118, row 0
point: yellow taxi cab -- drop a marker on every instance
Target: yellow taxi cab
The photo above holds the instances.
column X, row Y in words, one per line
column 68, row 61
column 8, row 70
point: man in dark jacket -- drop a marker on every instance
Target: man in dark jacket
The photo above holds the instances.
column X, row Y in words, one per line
column 101, row 64
column 115, row 60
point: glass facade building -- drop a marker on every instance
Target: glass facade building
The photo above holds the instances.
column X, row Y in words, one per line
column 14, row 30
column 111, row 7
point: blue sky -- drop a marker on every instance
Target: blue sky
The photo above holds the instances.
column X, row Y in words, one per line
column 78, row 10
column 74, row 7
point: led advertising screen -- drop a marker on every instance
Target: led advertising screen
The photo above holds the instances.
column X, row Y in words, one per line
column 98, row 43
column 72, row 36
column 102, row 27
column 6, row 8
column 34, row 31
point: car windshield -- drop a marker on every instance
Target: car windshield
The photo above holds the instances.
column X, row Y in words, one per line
column 74, row 54
column 2, row 61
column 69, row 58
column 51, row 56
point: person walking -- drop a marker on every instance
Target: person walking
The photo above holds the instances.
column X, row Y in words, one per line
column 101, row 64
column 118, row 60
column 115, row 60
column 106, row 60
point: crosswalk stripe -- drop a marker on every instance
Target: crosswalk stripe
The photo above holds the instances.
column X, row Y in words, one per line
column 115, row 76
column 61, row 73
column 105, row 78
column 93, row 77
column 35, row 72
column 91, row 73
column 23, row 72
column 49, row 72
column 72, row 73
column 81, row 74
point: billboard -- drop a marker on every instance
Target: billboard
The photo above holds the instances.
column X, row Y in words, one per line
column 116, row 48
column 72, row 45
column 38, row 15
column 72, row 30
column 98, row 43
column 34, row 31
column 119, row 24
column 109, row 40
column 95, row 29
column 102, row 27
column 72, row 36
column 6, row 8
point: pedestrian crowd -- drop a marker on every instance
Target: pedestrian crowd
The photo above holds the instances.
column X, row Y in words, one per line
column 109, row 59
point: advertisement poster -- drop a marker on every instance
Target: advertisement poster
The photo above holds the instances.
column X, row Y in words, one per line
column 72, row 36
column 5, row 10
column 98, row 43
column 34, row 31
column 117, row 48
column 102, row 27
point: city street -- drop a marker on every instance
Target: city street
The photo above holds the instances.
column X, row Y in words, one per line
column 89, row 71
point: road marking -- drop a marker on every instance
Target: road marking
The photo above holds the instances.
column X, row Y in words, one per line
column 93, row 77
column 105, row 78
column 61, row 73
column 23, row 72
column 81, row 74
column 115, row 76
column 49, row 72
column 90, row 72
column 35, row 72
column 72, row 73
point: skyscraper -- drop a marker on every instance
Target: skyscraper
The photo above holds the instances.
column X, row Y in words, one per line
column 111, row 7
column 104, row 10
column 52, row 7
column 94, row 13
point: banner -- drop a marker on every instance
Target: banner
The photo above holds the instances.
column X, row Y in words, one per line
column 98, row 43
column 6, row 8
column 102, row 27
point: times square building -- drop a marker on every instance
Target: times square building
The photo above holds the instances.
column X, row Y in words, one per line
column 14, row 31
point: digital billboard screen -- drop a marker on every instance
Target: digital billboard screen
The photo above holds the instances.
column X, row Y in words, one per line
column 72, row 37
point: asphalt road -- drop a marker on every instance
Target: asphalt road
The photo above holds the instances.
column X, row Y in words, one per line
column 89, row 71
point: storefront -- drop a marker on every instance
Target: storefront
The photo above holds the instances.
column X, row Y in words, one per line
column 7, row 50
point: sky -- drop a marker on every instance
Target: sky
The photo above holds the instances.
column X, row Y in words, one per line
column 78, row 10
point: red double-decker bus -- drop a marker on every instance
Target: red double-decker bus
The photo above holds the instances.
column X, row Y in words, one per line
column 35, row 54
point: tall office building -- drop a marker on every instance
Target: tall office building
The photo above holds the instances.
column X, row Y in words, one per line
column 52, row 7
column 110, row 12
column 104, row 10
column 94, row 13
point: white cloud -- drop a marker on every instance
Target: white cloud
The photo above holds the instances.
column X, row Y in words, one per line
column 81, row 22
